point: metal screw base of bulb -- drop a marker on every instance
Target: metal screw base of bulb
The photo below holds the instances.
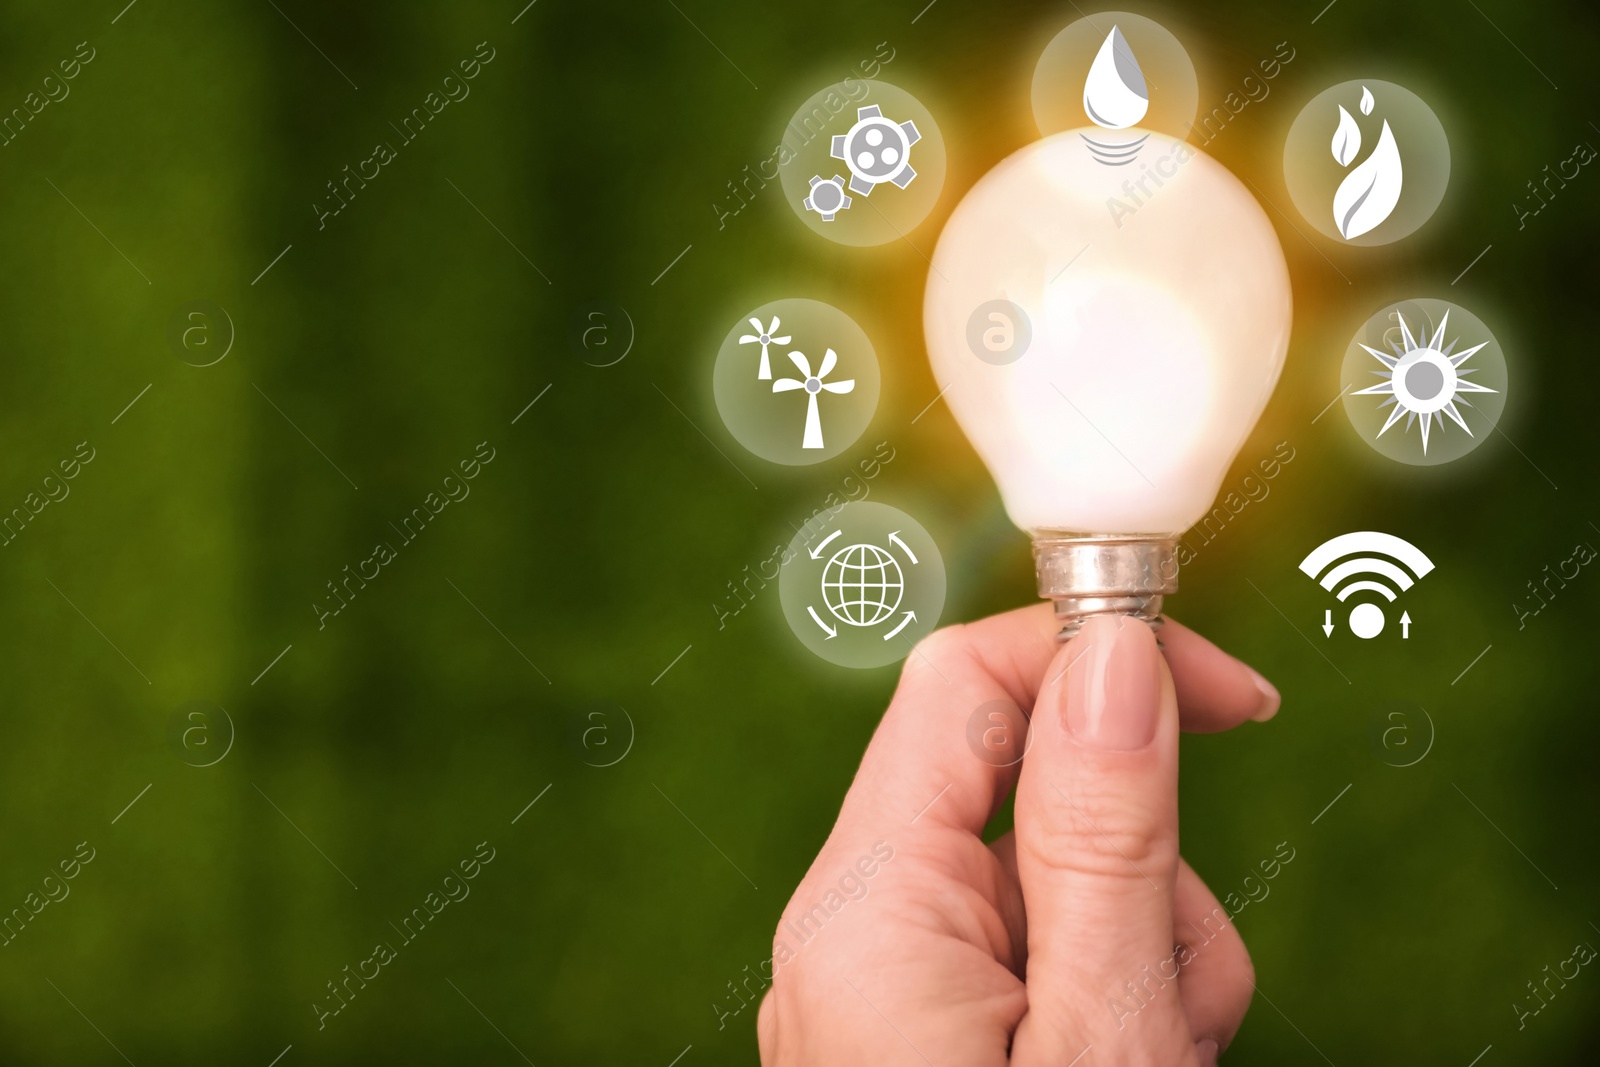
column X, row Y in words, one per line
column 1087, row 576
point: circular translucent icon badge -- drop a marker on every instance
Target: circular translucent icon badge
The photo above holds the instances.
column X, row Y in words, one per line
column 1115, row 70
column 1367, row 162
column 862, row 162
column 796, row 381
column 1425, row 382
column 862, row 584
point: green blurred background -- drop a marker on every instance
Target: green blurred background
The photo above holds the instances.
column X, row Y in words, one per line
column 377, row 352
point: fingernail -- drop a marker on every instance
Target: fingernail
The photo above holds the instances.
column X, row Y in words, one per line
column 1207, row 1050
column 1270, row 700
column 1118, row 689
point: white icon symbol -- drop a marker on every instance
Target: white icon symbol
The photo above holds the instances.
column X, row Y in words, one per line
column 1424, row 380
column 812, row 384
column 1371, row 558
column 862, row 585
column 876, row 150
column 827, row 197
column 1115, row 98
column 764, row 337
column 1369, row 193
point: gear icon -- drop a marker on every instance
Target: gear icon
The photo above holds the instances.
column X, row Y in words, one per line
column 827, row 196
column 876, row 150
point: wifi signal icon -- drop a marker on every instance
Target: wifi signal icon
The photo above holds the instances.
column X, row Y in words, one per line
column 1366, row 562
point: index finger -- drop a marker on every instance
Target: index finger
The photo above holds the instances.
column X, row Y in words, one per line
column 919, row 768
column 927, row 763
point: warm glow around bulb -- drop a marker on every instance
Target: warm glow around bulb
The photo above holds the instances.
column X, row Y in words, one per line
column 1158, row 302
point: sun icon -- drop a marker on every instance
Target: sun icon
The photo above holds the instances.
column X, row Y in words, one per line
column 1424, row 381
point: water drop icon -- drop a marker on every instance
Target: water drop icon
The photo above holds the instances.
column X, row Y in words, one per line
column 1114, row 94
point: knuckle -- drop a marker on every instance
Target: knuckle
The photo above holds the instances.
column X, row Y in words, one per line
column 945, row 645
column 1108, row 836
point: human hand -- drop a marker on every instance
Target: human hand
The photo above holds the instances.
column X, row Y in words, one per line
column 1083, row 933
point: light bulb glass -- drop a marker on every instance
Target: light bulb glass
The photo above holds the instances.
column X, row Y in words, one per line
column 1155, row 304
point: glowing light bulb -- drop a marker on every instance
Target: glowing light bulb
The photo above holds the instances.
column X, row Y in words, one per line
column 1155, row 308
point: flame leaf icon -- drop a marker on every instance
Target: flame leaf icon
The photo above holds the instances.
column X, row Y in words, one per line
column 1346, row 139
column 1114, row 94
column 1366, row 100
column 1369, row 193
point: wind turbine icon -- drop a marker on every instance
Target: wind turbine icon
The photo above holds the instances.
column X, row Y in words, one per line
column 812, row 384
column 764, row 337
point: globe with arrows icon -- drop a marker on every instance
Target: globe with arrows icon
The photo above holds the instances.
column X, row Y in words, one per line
column 862, row 585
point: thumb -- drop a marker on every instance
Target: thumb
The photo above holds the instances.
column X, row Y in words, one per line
column 1097, row 855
